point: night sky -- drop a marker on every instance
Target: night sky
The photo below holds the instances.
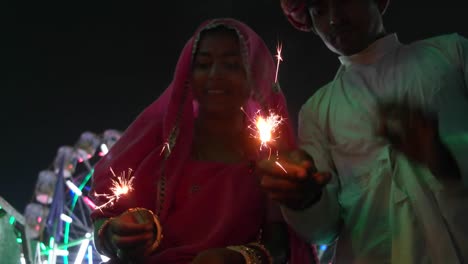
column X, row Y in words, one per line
column 75, row 66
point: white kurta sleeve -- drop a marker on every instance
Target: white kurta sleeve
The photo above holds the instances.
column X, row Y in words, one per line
column 320, row 223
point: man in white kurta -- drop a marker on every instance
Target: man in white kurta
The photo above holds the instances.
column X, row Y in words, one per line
column 392, row 209
column 380, row 205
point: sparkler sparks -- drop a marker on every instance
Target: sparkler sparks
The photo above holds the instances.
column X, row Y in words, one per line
column 265, row 127
column 279, row 59
column 281, row 166
column 121, row 185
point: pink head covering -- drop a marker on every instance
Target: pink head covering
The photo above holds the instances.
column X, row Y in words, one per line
column 162, row 134
column 157, row 145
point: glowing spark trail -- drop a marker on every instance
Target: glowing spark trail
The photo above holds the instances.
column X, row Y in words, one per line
column 166, row 146
column 279, row 59
column 121, row 185
column 281, row 166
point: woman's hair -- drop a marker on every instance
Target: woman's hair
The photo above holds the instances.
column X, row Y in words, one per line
column 214, row 30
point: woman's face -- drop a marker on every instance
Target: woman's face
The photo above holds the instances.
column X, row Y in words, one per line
column 219, row 77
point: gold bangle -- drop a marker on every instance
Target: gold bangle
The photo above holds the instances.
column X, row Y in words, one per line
column 102, row 239
column 257, row 259
column 158, row 226
column 243, row 252
column 249, row 254
column 264, row 250
column 159, row 235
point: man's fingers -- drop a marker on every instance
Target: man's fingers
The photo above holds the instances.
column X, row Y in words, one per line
column 284, row 184
column 322, row 178
column 286, row 191
column 279, row 184
column 282, row 168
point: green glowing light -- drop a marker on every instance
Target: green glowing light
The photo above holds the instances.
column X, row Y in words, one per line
column 66, row 235
column 51, row 242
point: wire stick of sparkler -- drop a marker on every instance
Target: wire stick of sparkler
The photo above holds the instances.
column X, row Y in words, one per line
column 279, row 59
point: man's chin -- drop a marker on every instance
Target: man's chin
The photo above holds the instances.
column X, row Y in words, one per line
column 344, row 50
column 343, row 45
column 337, row 49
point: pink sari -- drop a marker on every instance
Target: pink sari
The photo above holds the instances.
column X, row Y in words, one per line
column 200, row 204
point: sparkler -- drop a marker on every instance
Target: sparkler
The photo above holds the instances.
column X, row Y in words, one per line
column 264, row 128
column 121, row 185
column 279, row 59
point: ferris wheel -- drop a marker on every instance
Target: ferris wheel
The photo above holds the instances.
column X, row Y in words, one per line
column 58, row 222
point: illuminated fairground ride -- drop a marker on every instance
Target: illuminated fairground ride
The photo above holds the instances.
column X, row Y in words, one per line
column 58, row 222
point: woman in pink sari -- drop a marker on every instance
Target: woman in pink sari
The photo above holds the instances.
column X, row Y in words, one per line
column 195, row 198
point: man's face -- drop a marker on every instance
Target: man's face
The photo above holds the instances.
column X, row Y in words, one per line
column 347, row 26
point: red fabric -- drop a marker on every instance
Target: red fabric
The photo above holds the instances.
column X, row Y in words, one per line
column 297, row 14
column 224, row 209
column 228, row 208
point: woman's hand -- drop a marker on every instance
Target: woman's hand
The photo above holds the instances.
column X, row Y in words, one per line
column 131, row 234
column 219, row 256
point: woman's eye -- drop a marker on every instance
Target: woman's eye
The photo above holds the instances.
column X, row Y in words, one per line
column 202, row 65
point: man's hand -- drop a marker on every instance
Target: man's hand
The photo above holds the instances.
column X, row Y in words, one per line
column 415, row 133
column 292, row 180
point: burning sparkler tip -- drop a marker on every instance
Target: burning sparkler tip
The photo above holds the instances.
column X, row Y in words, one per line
column 120, row 185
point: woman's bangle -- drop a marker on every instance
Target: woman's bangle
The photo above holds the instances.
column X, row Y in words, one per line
column 260, row 247
column 249, row 254
column 103, row 242
column 157, row 225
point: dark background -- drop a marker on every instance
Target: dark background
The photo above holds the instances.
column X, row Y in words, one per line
column 76, row 66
